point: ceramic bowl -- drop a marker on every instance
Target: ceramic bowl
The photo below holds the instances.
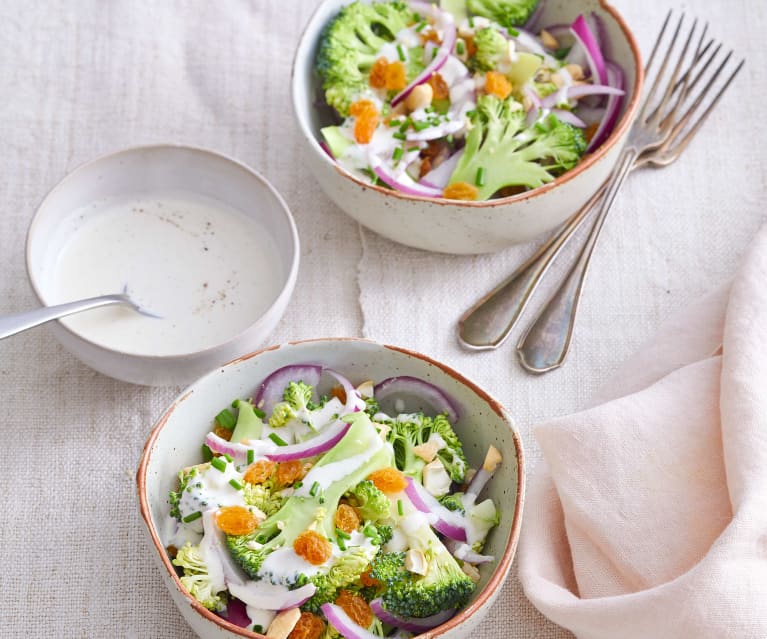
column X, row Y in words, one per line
column 176, row 437
column 202, row 258
column 465, row 227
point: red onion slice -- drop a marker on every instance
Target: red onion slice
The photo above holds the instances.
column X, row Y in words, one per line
column 569, row 117
column 343, row 623
column 438, row 178
column 449, row 36
column 322, row 443
column 579, row 91
column 616, row 78
column 411, row 624
column 464, row 552
column 271, row 389
column 236, row 613
column 268, row 596
column 588, row 41
column 354, row 403
column 449, row 523
column 405, row 184
column 238, row 452
column 407, row 385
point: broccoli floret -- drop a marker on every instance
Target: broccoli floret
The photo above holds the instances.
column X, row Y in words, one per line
column 343, row 573
column 196, row 579
column 492, row 47
column 312, row 504
column 350, row 43
column 444, row 586
column 297, row 402
column 372, row 503
column 372, row 407
column 418, row 430
column 184, row 477
column 508, row 153
column 263, row 496
column 453, row 501
column 507, row 13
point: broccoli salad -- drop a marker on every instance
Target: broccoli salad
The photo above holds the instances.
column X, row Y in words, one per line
column 323, row 516
column 459, row 101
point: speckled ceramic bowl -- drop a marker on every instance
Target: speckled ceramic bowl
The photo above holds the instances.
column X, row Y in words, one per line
column 465, row 227
column 175, row 443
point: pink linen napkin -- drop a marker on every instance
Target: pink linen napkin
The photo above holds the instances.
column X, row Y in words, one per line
column 648, row 517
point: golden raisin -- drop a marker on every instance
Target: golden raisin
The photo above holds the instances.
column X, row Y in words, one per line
column 429, row 34
column 461, row 191
column 347, row 518
column 313, row 547
column 172, row 551
column 591, row 130
column 289, row 472
column 308, row 626
column 378, row 73
column 236, row 520
column 258, row 472
column 471, row 46
column 365, row 120
column 366, row 580
column 339, row 393
column 439, row 87
column 388, row 480
column 395, row 76
column 356, row 607
column 223, row 433
column 497, row 84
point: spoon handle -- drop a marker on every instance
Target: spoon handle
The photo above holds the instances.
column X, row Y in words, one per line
column 12, row 324
column 487, row 324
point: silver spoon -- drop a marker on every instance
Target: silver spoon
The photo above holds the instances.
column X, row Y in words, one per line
column 18, row 322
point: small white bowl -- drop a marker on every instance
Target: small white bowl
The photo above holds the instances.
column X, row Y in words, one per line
column 175, row 442
column 465, row 227
column 104, row 226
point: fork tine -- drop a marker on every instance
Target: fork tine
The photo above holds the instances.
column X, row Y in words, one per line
column 666, row 119
column 657, row 42
column 681, row 145
column 650, row 61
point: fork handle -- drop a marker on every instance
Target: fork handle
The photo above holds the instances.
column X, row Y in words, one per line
column 546, row 342
column 12, row 324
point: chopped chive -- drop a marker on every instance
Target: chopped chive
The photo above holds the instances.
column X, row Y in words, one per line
column 400, row 507
column 405, row 125
column 397, row 154
column 480, row 180
column 321, row 499
column 251, row 455
column 370, row 532
column 512, row 31
column 258, row 628
column 342, row 534
column 314, row 489
column 277, row 439
column 218, row 464
column 207, row 453
column 226, row 419
column 235, row 484
column 400, row 53
column 394, row 123
column 298, row 484
column 460, row 48
column 421, row 125
column 192, row 517
column 471, row 21
column 420, row 26
column 227, row 457
column 341, row 543
column 414, row 148
column 450, row 139
column 259, row 413
column 399, row 136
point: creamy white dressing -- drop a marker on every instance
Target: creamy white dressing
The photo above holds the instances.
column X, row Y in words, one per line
column 210, row 490
column 285, row 566
column 207, row 269
column 260, row 617
column 330, row 473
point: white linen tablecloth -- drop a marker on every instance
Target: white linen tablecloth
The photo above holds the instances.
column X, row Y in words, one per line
column 82, row 78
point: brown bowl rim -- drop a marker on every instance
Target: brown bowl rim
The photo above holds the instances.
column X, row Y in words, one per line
column 493, row 584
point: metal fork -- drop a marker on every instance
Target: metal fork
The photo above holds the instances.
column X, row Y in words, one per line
column 661, row 139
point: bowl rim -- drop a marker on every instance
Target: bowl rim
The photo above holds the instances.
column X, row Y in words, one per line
column 503, row 566
column 285, row 289
column 589, row 160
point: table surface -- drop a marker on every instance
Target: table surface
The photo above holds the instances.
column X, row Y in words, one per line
column 84, row 78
